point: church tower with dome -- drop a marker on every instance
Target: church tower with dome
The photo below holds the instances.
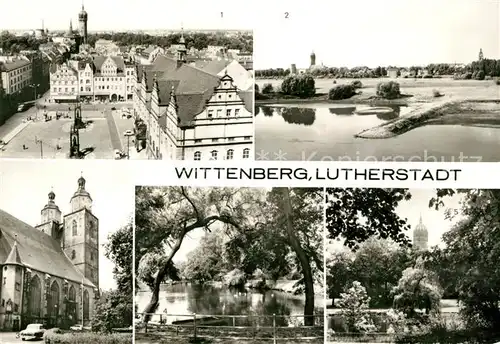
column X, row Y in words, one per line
column 420, row 236
column 82, row 25
column 81, row 234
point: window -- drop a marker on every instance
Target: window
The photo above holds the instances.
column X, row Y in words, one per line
column 236, row 112
column 35, row 299
column 215, row 140
column 197, row 155
column 198, row 141
column 18, row 286
column 81, row 89
column 73, row 254
column 248, row 138
column 246, row 153
column 220, row 96
column 74, row 228
column 230, row 154
column 219, row 113
column 230, row 139
column 3, row 303
column 214, row 155
column 228, row 112
column 91, row 255
column 4, row 280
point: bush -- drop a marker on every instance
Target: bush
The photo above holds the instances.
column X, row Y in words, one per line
column 235, row 278
column 479, row 75
column 341, row 92
column 388, row 90
column 334, row 81
column 267, row 88
column 357, row 84
column 497, row 81
column 299, row 85
column 87, row 338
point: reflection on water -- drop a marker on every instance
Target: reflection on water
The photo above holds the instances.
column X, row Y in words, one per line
column 324, row 133
column 184, row 299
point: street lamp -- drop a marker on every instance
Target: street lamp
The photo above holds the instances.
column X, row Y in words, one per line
column 128, row 133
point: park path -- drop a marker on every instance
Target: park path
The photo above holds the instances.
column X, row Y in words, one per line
column 113, row 131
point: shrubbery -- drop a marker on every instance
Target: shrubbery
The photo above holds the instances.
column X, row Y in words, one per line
column 357, row 84
column 267, row 88
column 299, row 85
column 436, row 94
column 341, row 92
column 388, row 90
column 87, row 338
column 479, row 75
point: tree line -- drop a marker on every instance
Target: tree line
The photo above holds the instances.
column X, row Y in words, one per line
column 486, row 67
column 198, row 40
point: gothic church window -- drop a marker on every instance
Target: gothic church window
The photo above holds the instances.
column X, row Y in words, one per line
column 73, row 254
column 85, row 304
column 35, row 299
column 74, row 228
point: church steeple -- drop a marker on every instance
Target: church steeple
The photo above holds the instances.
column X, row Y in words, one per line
column 481, row 55
column 50, row 211
column 81, row 198
column 181, row 50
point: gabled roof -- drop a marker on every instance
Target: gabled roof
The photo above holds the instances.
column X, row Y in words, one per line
column 247, row 97
column 35, row 250
column 118, row 60
column 213, row 67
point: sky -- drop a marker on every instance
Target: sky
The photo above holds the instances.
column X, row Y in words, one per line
column 125, row 14
column 25, row 184
column 433, row 220
column 372, row 33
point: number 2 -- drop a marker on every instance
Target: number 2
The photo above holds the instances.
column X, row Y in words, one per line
column 287, row 14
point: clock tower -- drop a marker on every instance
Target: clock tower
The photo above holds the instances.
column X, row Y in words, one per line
column 81, row 234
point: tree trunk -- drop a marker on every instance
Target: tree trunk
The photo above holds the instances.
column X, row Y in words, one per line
column 302, row 256
column 153, row 304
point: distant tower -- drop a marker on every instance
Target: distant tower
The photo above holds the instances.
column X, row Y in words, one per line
column 82, row 21
column 293, row 69
column 313, row 59
column 81, row 234
column 181, row 50
column 420, row 236
column 481, row 56
column 50, row 220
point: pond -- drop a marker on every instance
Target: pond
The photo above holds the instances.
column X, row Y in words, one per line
column 326, row 132
column 184, row 299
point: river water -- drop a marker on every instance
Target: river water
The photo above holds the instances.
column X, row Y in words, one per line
column 313, row 132
column 182, row 300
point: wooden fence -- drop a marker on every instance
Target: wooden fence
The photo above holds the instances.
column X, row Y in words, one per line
column 275, row 328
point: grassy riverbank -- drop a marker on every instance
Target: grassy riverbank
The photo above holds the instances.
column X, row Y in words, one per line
column 161, row 338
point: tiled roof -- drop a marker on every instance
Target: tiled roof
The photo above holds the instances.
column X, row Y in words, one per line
column 35, row 249
column 10, row 66
column 99, row 60
column 213, row 67
column 193, row 87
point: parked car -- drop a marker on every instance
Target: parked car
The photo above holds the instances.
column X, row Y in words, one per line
column 33, row 331
column 76, row 328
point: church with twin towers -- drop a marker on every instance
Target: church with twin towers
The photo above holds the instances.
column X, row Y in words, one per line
column 50, row 271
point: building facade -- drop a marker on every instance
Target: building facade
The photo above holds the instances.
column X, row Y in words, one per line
column 191, row 114
column 50, row 273
column 17, row 74
column 104, row 78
